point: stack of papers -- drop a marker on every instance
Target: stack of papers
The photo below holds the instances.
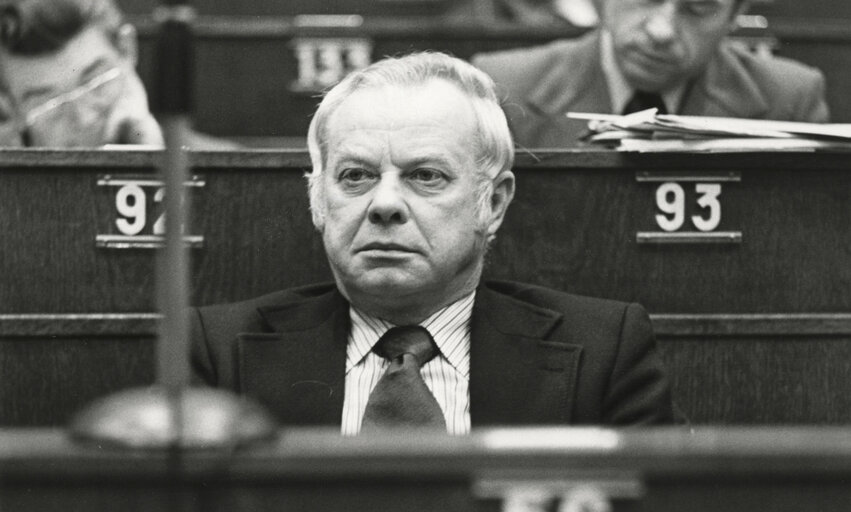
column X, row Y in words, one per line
column 647, row 131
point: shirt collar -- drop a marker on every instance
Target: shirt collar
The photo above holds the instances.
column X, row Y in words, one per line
column 450, row 328
column 619, row 89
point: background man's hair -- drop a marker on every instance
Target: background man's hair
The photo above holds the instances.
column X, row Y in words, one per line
column 495, row 147
column 33, row 27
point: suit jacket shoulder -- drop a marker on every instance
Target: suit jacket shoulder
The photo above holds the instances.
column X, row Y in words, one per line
column 616, row 375
column 539, row 85
column 518, row 71
column 745, row 84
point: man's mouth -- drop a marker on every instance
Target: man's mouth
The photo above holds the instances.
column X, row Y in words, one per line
column 655, row 60
column 386, row 247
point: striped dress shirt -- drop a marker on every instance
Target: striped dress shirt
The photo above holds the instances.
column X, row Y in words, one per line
column 447, row 376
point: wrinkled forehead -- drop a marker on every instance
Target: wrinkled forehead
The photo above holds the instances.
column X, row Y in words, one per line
column 400, row 106
column 434, row 110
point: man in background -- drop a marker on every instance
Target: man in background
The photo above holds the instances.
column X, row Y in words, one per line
column 68, row 78
column 673, row 55
column 68, row 69
column 411, row 180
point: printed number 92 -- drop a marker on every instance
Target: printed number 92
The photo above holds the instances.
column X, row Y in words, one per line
column 131, row 203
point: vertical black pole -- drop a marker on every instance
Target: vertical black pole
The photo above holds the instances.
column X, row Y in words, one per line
column 171, row 100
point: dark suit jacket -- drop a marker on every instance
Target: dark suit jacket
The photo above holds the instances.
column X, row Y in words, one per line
column 537, row 357
column 539, row 85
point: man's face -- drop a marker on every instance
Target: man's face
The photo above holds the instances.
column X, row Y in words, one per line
column 659, row 44
column 402, row 230
column 85, row 94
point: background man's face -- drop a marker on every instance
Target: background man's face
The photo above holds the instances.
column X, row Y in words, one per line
column 659, row 44
column 85, row 94
column 401, row 229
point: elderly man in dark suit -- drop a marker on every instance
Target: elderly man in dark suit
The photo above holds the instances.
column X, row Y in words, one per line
column 670, row 54
column 411, row 180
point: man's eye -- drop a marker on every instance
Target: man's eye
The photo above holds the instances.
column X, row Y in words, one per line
column 354, row 175
column 429, row 176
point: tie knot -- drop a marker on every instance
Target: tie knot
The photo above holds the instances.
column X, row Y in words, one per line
column 407, row 339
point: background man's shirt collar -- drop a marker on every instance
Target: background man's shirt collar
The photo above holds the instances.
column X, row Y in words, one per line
column 620, row 91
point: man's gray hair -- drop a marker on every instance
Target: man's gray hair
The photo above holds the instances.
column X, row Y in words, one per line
column 495, row 146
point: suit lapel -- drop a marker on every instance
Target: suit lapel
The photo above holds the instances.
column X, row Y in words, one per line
column 517, row 375
column 298, row 368
column 726, row 89
column 575, row 82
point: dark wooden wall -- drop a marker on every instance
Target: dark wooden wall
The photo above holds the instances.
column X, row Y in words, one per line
column 245, row 67
column 246, row 61
column 755, row 332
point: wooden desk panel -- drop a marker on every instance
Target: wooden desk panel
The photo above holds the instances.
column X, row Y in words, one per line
column 659, row 470
column 752, row 332
column 46, row 379
column 760, row 379
column 572, row 226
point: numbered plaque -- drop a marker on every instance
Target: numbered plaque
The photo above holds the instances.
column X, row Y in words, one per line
column 138, row 218
column 688, row 208
column 322, row 62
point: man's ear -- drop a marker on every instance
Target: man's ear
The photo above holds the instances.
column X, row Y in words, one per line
column 503, row 193
column 128, row 44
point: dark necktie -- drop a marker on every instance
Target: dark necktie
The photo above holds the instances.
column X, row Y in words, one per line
column 401, row 397
column 642, row 100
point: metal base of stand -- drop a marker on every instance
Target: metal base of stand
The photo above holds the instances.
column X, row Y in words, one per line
column 160, row 418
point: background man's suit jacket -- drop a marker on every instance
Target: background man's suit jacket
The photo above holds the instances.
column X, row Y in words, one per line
column 539, row 85
column 537, row 357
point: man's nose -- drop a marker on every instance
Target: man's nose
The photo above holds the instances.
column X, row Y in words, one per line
column 661, row 23
column 388, row 204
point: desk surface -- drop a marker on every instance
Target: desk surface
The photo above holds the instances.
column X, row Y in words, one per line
column 660, row 470
column 671, row 452
column 566, row 159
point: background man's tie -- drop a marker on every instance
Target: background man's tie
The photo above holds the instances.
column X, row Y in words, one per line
column 642, row 100
column 401, row 397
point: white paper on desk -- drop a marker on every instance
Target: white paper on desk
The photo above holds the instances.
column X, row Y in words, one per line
column 755, row 127
column 736, row 125
column 131, row 147
column 723, row 145
column 649, row 121
column 639, row 118
column 714, row 126
column 608, row 127
column 614, row 135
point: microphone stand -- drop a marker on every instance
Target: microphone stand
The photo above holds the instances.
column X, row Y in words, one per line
column 172, row 415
